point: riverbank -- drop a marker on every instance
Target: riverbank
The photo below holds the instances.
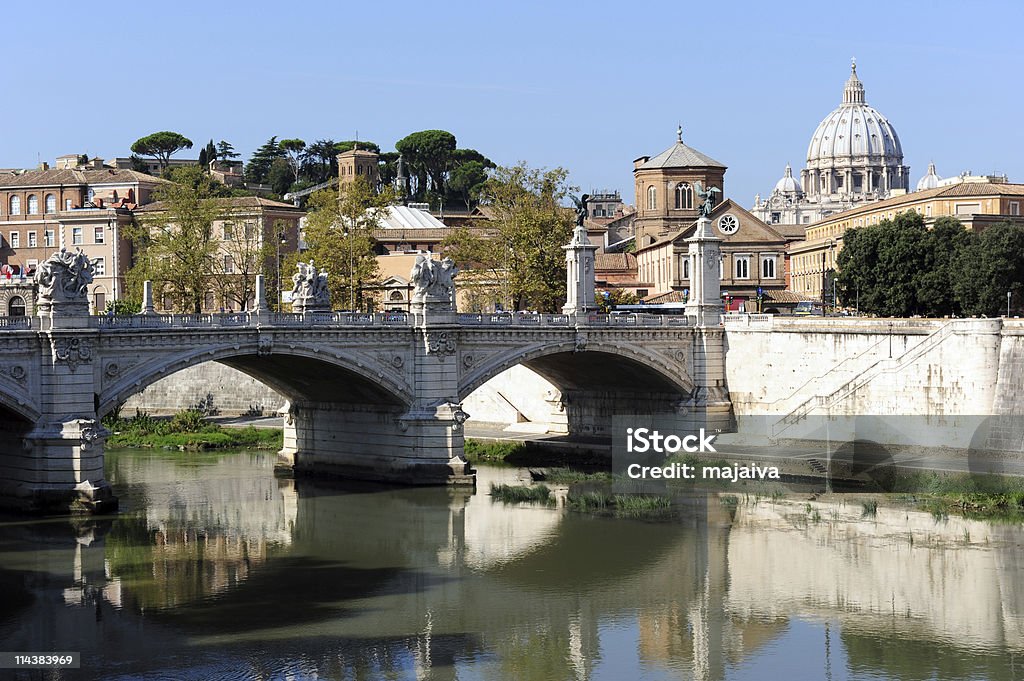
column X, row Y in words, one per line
column 187, row 431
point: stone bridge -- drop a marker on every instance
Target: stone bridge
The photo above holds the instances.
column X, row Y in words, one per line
column 371, row 396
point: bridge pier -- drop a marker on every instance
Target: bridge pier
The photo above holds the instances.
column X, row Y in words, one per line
column 60, row 467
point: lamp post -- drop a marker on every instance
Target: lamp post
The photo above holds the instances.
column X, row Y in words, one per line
column 1009, row 294
column 351, row 273
column 280, row 240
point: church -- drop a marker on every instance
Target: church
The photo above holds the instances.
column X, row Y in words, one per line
column 854, row 157
column 753, row 265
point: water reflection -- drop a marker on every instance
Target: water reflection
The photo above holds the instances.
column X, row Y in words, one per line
column 217, row 570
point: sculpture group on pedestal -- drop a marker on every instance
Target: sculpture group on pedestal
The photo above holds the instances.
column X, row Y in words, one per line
column 63, row 281
column 309, row 289
column 433, row 285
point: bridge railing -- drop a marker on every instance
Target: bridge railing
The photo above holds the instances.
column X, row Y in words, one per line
column 22, row 322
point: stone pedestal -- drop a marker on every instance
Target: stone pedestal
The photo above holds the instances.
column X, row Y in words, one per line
column 704, row 306
column 579, row 265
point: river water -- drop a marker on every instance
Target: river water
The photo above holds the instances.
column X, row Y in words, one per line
column 215, row 569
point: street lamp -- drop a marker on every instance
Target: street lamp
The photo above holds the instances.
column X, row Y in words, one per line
column 280, row 291
column 1009, row 294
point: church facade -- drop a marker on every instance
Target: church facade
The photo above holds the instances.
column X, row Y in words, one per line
column 854, row 157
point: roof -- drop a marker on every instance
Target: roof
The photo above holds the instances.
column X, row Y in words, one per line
column 668, row 297
column 625, row 262
column 681, row 156
column 58, row 176
column 775, row 296
column 403, row 217
column 232, row 202
column 958, row 190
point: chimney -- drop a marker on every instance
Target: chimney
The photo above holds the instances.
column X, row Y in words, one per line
column 96, row 163
column 43, row 165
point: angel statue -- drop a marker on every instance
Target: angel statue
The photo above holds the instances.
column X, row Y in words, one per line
column 581, row 208
column 710, row 201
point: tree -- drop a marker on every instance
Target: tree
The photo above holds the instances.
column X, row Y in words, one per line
column 207, row 155
column 161, row 146
column 319, row 160
column 989, row 264
column 226, row 152
column 608, row 299
column 467, row 181
column 280, row 177
column 339, row 238
column 245, row 250
column 427, row 154
column 530, row 226
column 258, row 167
column 293, row 148
column 175, row 246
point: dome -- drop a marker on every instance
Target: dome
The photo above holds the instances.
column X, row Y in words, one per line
column 929, row 181
column 788, row 184
column 854, row 130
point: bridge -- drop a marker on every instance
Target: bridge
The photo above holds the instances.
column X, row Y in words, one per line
column 370, row 396
column 373, row 396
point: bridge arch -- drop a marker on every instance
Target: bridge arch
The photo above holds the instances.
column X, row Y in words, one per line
column 599, row 365
column 305, row 373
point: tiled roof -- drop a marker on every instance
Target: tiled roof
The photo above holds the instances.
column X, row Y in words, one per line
column 625, row 262
column 55, row 176
column 960, row 189
column 668, row 297
column 232, row 202
column 681, row 156
column 785, row 297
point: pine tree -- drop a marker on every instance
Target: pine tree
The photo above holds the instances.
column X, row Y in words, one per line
column 262, row 159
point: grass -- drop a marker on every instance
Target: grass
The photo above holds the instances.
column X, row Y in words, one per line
column 186, row 430
column 869, row 509
column 491, row 452
column 589, row 501
column 511, row 494
column 569, row 476
column 600, row 502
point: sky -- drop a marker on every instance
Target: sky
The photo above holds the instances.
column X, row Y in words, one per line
column 586, row 87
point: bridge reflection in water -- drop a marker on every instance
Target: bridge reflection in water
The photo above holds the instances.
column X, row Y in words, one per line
column 219, row 570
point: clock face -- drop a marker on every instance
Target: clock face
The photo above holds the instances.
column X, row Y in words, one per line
column 728, row 224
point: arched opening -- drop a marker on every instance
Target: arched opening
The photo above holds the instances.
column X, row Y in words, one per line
column 574, row 393
column 16, row 307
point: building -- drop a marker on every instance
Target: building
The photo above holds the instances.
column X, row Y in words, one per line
column 17, row 296
column 753, row 253
column 975, row 201
column 86, row 206
column 854, row 157
column 147, row 165
column 666, row 197
column 251, row 232
column 356, row 163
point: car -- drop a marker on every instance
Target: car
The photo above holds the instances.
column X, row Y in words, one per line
column 807, row 307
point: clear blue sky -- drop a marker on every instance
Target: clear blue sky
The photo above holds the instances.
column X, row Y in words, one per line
column 589, row 87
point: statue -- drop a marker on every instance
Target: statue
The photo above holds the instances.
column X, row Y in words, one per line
column 710, row 200
column 432, row 283
column 64, row 278
column 581, row 208
column 309, row 289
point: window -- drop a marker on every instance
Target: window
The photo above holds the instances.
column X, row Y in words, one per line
column 1014, row 208
column 16, row 307
column 48, row 237
column 652, row 198
column 31, row 265
column 33, row 204
column 396, row 295
column 76, row 235
column 776, row 218
column 807, row 219
column 15, row 240
column 229, row 231
column 967, row 208
column 100, row 301
column 51, row 203
column 15, row 205
column 67, row 204
column 768, row 267
column 641, row 293
column 741, row 267
column 91, row 195
column 686, row 266
column 250, row 231
column 99, row 266
column 97, row 235
column 684, row 196
column 229, row 264
column 32, row 242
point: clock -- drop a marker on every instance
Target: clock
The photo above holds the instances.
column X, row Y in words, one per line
column 728, row 224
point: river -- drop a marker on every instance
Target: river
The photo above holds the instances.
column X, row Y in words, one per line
column 215, row 569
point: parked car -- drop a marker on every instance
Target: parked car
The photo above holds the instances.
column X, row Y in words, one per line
column 807, row 307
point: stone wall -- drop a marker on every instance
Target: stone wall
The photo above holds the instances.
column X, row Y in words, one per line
column 233, row 392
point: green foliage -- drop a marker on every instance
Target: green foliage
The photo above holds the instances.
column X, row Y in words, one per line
column 519, row 493
column 161, row 145
column 589, row 501
column 530, row 227
column 427, row 154
column 226, row 151
column 641, row 506
column 293, row 148
column 175, row 247
column 479, row 451
column 339, row 238
column 281, row 177
column 185, row 430
column 616, row 296
column 901, row 268
column 869, row 509
column 124, row 306
column 258, row 167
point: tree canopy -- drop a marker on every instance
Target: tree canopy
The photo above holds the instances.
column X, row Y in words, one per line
column 900, row 267
column 530, row 226
column 258, row 167
column 161, row 146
